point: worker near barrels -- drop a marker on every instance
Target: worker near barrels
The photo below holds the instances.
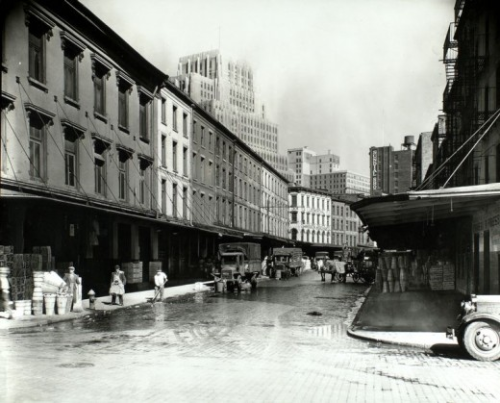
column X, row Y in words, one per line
column 72, row 281
column 117, row 286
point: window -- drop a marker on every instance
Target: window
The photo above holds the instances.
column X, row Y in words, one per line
column 70, row 75
column 100, row 74
column 71, row 158
column 38, row 144
column 37, row 33
column 122, row 177
column 294, row 201
column 174, row 156
column 174, row 200
column 174, row 117
column 124, row 90
column 185, row 125
column 100, row 148
column 144, row 115
column 294, row 217
column 185, row 161
column 163, row 150
column 164, row 196
column 202, row 137
column 142, row 186
column 185, row 203
column 39, row 119
column 163, row 110
column 202, row 169
column 144, row 174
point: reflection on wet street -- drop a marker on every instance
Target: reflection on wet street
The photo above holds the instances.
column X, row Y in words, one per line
column 300, row 306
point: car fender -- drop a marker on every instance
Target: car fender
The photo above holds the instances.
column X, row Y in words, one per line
column 473, row 317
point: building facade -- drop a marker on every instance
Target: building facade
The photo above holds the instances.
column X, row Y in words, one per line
column 392, row 171
column 310, row 215
column 122, row 166
column 225, row 89
column 423, row 156
column 471, row 99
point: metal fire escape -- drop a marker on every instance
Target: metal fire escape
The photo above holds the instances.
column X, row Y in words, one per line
column 465, row 59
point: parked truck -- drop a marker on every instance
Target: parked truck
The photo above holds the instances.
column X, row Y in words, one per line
column 289, row 258
column 478, row 331
column 240, row 262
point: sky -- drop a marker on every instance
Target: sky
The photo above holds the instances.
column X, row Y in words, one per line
column 335, row 75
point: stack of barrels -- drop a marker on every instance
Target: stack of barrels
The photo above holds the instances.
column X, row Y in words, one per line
column 392, row 274
column 37, row 293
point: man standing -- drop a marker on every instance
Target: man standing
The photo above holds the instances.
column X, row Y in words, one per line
column 72, row 280
column 160, row 281
column 117, row 286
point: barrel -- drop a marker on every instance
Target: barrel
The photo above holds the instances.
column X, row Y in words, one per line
column 37, row 307
column 27, row 307
column 20, row 307
column 62, row 302
column 278, row 274
column 50, row 303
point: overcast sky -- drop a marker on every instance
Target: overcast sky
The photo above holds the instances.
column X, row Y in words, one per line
column 339, row 75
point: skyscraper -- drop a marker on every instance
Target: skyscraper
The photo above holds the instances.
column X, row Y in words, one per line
column 225, row 89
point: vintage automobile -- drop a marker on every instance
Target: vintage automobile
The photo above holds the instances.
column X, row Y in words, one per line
column 478, row 331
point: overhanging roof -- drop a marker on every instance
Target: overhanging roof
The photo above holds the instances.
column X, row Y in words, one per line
column 428, row 205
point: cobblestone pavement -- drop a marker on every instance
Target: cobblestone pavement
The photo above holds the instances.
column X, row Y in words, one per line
column 286, row 342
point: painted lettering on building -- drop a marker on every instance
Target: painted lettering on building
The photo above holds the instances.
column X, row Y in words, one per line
column 374, row 169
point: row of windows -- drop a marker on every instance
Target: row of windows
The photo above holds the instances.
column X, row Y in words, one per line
column 310, row 218
column 310, row 201
column 72, row 54
column 311, row 236
column 72, row 148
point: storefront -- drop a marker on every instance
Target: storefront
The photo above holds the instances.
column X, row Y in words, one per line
column 444, row 239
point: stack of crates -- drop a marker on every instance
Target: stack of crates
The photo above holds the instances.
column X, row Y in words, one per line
column 133, row 272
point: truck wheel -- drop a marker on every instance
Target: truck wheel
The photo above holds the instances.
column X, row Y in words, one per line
column 482, row 341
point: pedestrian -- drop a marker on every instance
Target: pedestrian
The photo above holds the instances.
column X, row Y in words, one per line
column 160, row 281
column 339, row 267
column 117, row 287
column 5, row 292
column 263, row 266
column 72, row 281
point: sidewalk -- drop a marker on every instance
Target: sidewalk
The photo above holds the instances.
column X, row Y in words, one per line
column 413, row 318
column 101, row 304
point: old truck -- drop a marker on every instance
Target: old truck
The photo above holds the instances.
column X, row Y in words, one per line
column 289, row 258
column 478, row 331
column 239, row 262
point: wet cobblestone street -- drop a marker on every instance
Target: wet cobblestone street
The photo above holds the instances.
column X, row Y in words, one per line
column 285, row 342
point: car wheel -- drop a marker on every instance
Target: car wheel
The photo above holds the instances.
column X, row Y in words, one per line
column 355, row 277
column 482, row 341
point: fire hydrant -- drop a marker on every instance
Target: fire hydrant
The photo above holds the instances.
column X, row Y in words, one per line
column 91, row 295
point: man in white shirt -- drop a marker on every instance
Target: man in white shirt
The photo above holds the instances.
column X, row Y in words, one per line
column 160, row 281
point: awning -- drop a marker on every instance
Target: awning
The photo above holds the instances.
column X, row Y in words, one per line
column 425, row 206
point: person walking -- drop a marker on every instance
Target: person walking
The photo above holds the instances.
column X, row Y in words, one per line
column 160, row 281
column 72, row 281
column 5, row 293
column 117, row 287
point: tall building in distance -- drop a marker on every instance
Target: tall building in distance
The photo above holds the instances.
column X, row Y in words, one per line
column 322, row 172
column 392, row 171
column 225, row 89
